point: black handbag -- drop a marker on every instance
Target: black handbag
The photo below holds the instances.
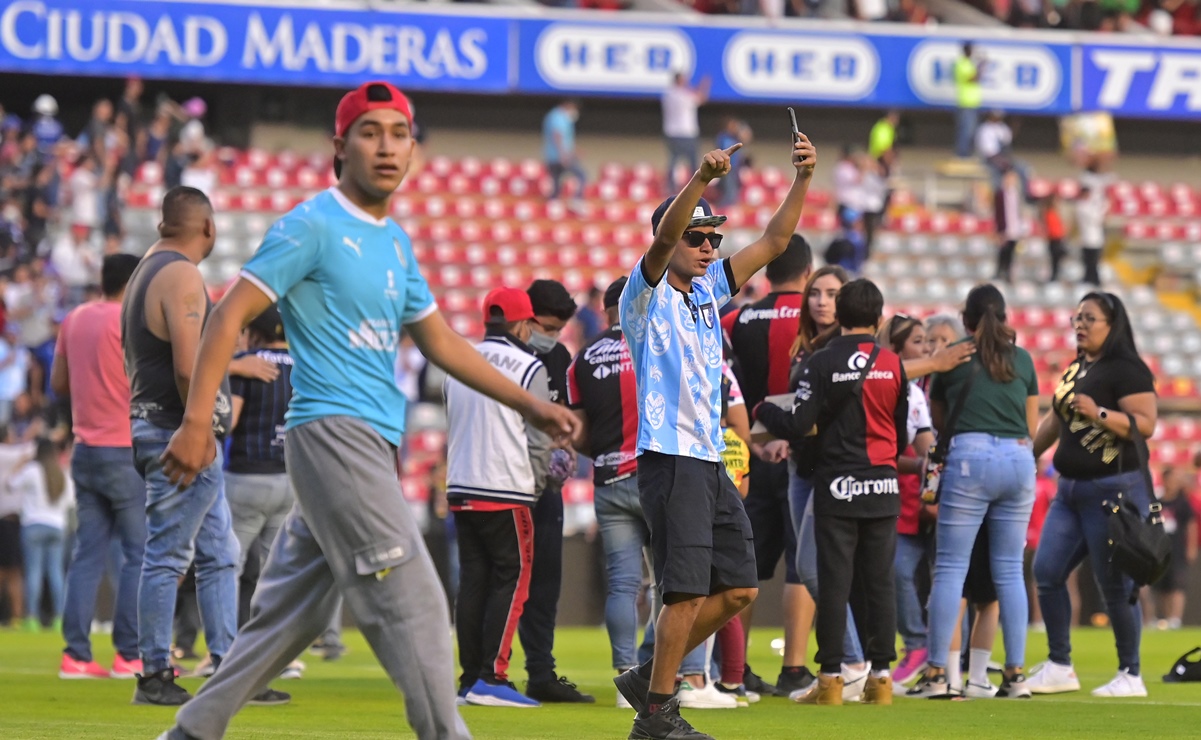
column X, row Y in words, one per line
column 1138, row 546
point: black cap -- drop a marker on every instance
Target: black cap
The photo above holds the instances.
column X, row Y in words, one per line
column 702, row 215
column 268, row 325
column 613, row 292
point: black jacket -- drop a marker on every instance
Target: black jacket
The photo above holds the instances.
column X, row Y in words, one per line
column 858, row 438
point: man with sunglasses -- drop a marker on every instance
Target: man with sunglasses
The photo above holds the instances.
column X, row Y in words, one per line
column 701, row 539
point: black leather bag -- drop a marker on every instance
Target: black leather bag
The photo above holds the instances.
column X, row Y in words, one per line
column 1138, row 546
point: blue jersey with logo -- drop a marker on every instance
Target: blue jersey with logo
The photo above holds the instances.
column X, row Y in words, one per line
column 346, row 283
column 676, row 347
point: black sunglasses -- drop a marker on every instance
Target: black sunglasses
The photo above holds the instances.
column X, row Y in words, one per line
column 696, row 238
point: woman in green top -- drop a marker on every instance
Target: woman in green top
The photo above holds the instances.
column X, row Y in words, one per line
column 988, row 481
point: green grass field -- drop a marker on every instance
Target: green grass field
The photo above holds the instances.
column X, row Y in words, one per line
column 352, row 699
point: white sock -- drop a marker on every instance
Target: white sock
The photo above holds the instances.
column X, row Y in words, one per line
column 881, row 674
column 954, row 674
column 977, row 666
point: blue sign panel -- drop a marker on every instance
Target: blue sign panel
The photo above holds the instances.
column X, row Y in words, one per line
column 823, row 67
column 259, row 44
column 1141, row 81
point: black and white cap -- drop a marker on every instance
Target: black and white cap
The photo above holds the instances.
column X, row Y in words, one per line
column 702, row 215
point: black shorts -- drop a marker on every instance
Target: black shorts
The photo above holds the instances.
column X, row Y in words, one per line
column 978, row 587
column 1176, row 579
column 10, row 542
column 701, row 539
column 771, row 520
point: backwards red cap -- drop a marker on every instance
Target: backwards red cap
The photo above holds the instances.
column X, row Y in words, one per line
column 514, row 304
column 368, row 97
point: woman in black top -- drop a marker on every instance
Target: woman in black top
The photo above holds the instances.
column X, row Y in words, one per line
column 1096, row 460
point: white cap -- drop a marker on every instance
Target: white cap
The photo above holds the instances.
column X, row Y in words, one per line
column 45, row 105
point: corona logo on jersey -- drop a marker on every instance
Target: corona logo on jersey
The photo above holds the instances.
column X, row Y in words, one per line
column 823, row 67
column 847, row 487
column 1026, row 76
column 620, row 58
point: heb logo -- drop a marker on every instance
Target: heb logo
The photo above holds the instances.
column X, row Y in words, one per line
column 1025, row 76
column 822, row 67
column 1162, row 77
column 618, row 58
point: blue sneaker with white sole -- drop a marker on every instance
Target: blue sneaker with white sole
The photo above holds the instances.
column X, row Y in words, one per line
column 486, row 694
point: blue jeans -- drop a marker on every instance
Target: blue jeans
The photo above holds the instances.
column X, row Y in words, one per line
column 965, row 131
column 1076, row 527
column 680, row 148
column 910, row 622
column 110, row 497
column 800, row 505
column 42, row 547
column 988, row 481
column 181, row 524
column 625, row 536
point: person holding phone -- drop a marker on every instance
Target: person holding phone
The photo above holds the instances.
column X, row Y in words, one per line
column 701, row 538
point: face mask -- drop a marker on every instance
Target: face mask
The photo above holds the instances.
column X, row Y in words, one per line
column 541, row 343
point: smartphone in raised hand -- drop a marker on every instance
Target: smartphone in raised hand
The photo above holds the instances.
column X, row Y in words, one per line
column 796, row 132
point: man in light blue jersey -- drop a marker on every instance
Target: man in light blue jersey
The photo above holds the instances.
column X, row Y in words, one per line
column 701, row 541
column 346, row 282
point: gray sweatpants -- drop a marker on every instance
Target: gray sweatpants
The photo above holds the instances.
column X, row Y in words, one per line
column 259, row 505
column 351, row 532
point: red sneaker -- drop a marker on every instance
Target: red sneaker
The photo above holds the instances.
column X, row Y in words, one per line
column 123, row 668
column 73, row 669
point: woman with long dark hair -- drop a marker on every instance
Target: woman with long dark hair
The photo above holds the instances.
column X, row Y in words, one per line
column 988, row 482
column 1098, row 395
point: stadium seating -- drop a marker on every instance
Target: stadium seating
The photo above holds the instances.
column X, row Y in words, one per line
column 476, row 224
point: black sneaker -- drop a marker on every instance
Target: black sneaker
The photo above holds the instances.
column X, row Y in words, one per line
column 753, row 682
column 559, row 691
column 160, row 689
column 270, row 698
column 931, row 687
column 665, row 724
column 787, row 683
column 1014, row 687
column 633, row 687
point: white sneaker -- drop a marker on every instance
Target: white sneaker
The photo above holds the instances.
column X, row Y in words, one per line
column 1123, row 685
column 978, row 691
column 706, row 697
column 294, row 670
column 752, row 697
column 1053, row 679
column 622, row 702
column 853, row 683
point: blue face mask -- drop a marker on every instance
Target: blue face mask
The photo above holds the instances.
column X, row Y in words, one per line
column 541, row 343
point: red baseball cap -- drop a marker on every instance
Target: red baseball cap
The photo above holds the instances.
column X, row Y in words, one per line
column 514, row 304
column 368, row 97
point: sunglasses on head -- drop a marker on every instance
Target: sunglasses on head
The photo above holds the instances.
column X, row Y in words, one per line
column 695, row 239
column 900, row 324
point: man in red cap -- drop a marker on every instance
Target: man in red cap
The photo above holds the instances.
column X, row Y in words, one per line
column 347, row 282
column 496, row 464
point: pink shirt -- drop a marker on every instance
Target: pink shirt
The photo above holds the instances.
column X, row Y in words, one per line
column 90, row 340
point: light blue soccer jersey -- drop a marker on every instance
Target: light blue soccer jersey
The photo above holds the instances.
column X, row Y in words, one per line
column 346, row 283
column 675, row 343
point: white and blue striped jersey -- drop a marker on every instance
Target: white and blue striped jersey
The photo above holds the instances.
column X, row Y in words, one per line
column 676, row 347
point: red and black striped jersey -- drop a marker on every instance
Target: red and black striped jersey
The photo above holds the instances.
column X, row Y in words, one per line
column 761, row 334
column 601, row 383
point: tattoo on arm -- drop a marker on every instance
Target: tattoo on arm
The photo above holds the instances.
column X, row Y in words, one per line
column 193, row 305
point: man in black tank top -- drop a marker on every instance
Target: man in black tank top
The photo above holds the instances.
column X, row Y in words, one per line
column 162, row 316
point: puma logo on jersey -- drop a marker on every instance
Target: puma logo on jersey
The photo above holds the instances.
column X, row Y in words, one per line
column 346, row 240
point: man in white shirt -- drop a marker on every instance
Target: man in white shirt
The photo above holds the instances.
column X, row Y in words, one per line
column 681, row 129
column 994, row 145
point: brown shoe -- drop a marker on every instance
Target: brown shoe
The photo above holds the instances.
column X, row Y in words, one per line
column 878, row 691
column 826, row 692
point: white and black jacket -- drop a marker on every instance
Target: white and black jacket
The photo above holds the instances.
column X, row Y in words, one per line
column 494, row 456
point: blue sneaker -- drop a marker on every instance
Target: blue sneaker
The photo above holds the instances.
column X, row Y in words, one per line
column 485, row 694
column 461, row 699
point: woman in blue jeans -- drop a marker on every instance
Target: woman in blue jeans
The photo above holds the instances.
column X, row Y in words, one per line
column 988, row 481
column 46, row 501
column 1091, row 413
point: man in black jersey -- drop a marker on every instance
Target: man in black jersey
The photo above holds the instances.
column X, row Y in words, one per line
column 553, row 308
column 761, row 336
